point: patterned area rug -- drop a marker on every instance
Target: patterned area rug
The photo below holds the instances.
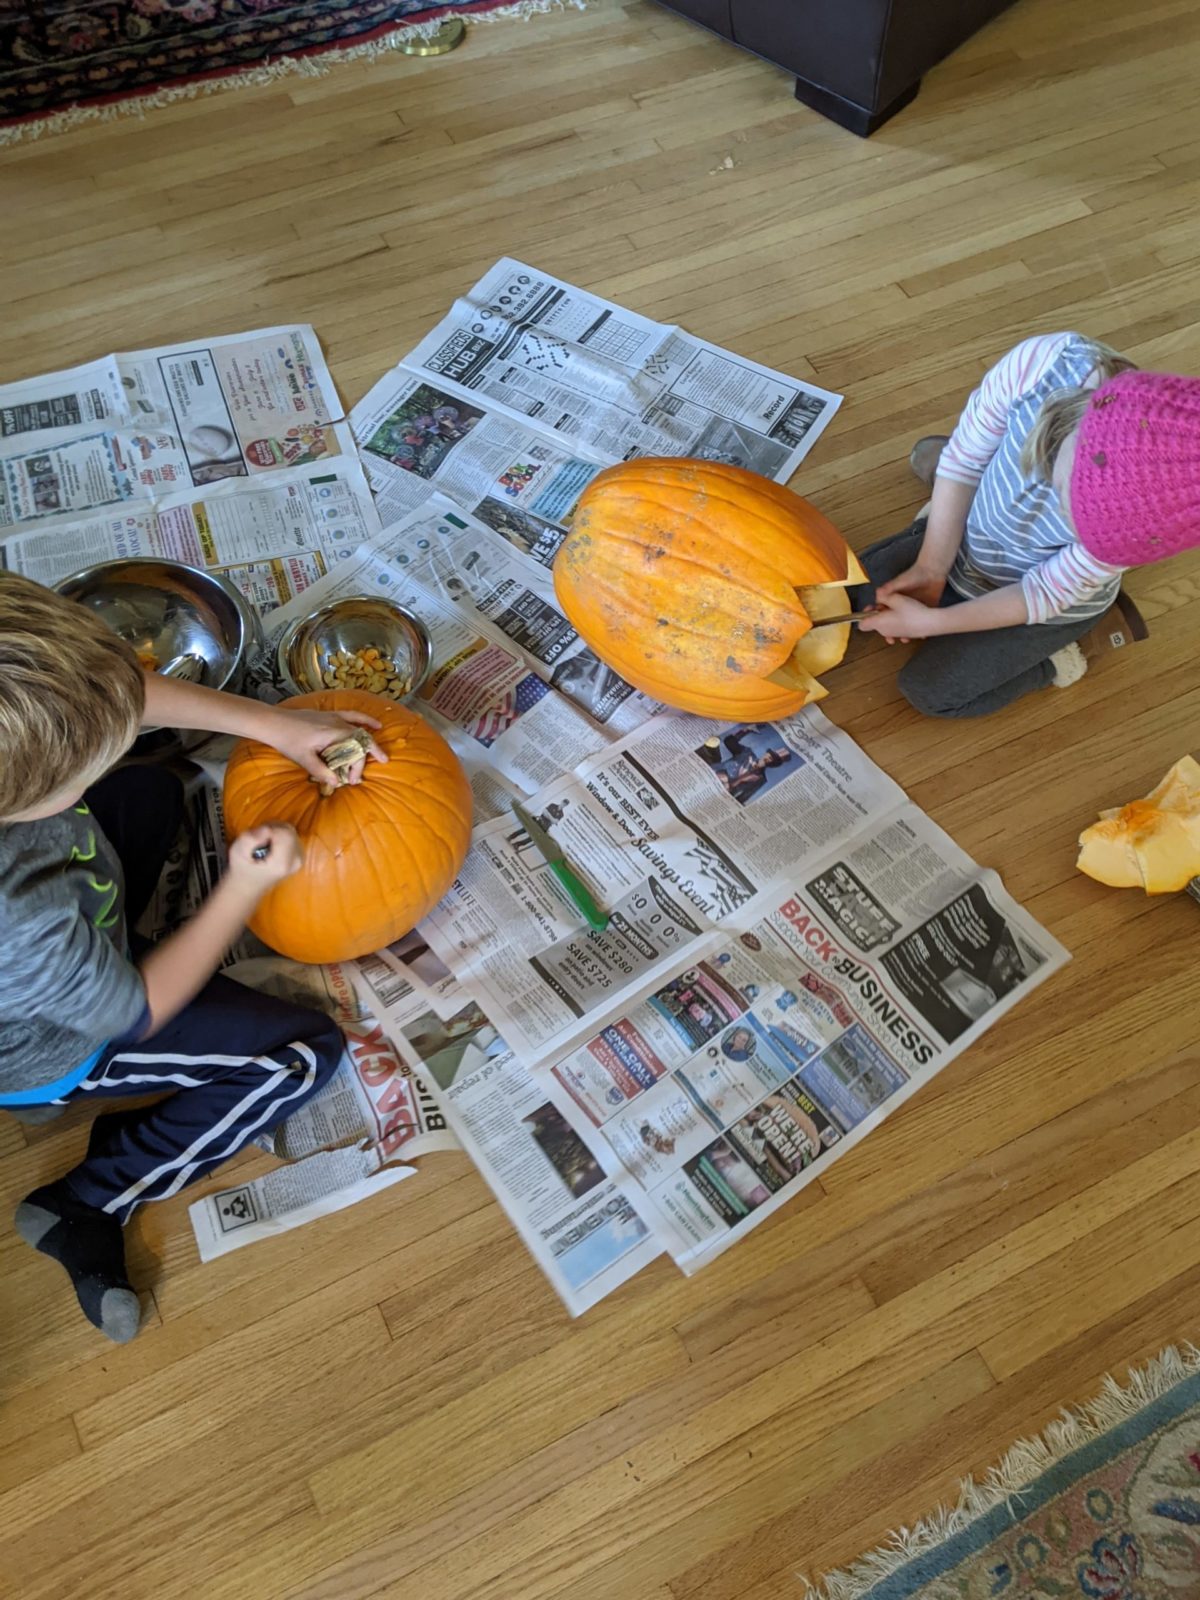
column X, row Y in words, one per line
column 1106, row 1506
column 67, row 61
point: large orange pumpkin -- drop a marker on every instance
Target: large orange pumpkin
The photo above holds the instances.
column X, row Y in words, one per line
column 378, row 855
column 700, row 583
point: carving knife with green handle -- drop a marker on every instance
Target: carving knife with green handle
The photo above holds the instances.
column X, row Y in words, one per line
column 572, row 886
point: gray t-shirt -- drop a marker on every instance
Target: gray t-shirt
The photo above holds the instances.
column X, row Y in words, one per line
column 67, row 985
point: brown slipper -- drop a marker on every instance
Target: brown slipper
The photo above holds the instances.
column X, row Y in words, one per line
column 1120, row 625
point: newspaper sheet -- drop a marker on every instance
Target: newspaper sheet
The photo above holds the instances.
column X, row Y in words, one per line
column 613, row 383
column 579, row 1226
column 346, row 1142
column 273, row 536
column 793, row 950
column 673, row 830
column 133, row 425
column 530, row 386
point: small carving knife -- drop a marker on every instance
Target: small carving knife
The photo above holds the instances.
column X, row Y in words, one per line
column 572, row 886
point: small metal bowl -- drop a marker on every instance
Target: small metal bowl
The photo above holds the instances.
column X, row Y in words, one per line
column 185, row 622
column 307, row 649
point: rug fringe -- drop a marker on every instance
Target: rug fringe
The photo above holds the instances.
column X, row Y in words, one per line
column 315, row 66
column 1022, row 1465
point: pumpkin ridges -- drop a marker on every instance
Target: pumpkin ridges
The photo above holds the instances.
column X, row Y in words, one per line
column 763, row 640
column 645, row 477
column 740, row 698
column 761, row 583
column 832, row 568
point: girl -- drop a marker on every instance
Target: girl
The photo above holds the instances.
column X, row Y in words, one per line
column 1066, row 467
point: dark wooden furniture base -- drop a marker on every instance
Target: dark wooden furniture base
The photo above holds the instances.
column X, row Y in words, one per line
column 857, row 62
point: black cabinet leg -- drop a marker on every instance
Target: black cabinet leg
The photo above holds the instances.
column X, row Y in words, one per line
column 847, row 113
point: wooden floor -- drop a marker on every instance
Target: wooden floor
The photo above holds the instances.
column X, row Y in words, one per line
column 392, row 1403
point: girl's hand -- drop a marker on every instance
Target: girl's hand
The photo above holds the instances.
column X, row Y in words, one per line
column 922, row 582
column 899, row 618
column 302, row 735
column 284, row 854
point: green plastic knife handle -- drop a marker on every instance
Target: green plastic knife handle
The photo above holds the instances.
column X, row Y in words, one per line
column 577, row 893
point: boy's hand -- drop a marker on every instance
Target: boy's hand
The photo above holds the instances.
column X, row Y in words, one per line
column 256, row 873
column 899, row 619
column 921, row 581
column 302, row 735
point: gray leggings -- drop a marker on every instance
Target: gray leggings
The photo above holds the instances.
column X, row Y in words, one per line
column 965, row 674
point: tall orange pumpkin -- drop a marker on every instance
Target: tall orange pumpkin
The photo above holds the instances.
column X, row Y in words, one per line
column 699, row 584
column 378, row 855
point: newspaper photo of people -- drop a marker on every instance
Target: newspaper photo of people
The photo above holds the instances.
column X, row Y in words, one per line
column 955, row 967
column 749, row 760
column 420, row 432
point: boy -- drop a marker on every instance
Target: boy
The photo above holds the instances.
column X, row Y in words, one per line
column 82, row 1016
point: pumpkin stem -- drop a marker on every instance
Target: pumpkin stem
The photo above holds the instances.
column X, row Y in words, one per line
column 340, row 756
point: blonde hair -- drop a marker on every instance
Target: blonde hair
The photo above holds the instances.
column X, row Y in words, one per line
column 71, row 694
column 1062, row 412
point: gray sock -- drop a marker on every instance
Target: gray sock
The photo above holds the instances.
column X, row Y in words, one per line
column 36, row 1116
column 90, row 1248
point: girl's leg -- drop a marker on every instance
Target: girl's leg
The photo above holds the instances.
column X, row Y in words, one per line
column 885, row 560
column 972, row 674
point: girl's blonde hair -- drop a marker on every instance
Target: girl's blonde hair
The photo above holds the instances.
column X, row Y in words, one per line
column 1062, row 412
column 71, row 694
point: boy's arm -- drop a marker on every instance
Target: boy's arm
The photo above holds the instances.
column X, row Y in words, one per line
column 299, row 735
column 175, row 971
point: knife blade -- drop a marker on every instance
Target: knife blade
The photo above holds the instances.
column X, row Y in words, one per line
column 572, row 886
column 831, row 622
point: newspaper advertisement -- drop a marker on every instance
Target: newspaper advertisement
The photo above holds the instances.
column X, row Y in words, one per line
column 131, row 425
column 346, row 1143
column 579, row 1226
column 272, row 536
column 487, row 690
column 613, row 383
column 793, row 950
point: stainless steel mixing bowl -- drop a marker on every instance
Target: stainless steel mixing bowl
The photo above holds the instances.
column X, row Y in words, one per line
column 307, row 649
column 178, row 619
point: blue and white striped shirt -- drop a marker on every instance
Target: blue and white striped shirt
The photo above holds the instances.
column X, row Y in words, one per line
column 1016, row 531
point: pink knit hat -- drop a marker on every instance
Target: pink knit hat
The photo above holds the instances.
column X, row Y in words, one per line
column 1135, row 484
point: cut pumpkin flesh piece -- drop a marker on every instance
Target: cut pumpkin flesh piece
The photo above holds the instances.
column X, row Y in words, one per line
column 854, row 575
column 792, row 676
column 1106, row 854
column 822, row 649
column 1152, row 843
